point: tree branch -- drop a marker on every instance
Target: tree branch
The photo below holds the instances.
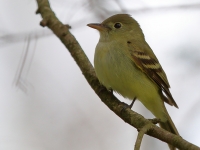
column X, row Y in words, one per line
column 129, row 116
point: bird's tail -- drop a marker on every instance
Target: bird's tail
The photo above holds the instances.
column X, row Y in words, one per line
column 169, row 126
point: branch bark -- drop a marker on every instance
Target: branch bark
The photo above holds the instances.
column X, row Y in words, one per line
column 50, row 20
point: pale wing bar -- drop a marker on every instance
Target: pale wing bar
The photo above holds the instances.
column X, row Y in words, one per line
column 154, row 71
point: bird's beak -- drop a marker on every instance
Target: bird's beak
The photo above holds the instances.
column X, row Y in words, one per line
column 97, row 26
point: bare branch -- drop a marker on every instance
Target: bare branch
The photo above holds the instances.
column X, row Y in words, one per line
column 6, row 39
column 165, row 8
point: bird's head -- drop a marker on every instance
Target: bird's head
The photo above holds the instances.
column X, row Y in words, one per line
column 118, row 26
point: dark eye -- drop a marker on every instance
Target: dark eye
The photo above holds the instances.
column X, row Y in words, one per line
column 117, row 25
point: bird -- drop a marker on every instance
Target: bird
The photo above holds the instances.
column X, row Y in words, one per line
column 126, row 64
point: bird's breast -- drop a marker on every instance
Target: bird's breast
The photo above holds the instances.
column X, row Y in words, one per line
column 113, row 68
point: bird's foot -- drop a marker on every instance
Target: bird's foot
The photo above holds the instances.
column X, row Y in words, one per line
column 131, row 105
column 155, row 120
column 127, row 106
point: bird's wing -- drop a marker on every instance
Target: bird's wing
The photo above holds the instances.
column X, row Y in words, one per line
column 148, row 63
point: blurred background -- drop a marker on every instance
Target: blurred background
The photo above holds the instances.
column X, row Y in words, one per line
column 46, row 103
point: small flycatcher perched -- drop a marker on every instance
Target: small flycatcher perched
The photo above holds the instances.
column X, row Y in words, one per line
column 125, row 63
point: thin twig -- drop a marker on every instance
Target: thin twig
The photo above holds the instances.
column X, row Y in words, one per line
column 141, row 133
